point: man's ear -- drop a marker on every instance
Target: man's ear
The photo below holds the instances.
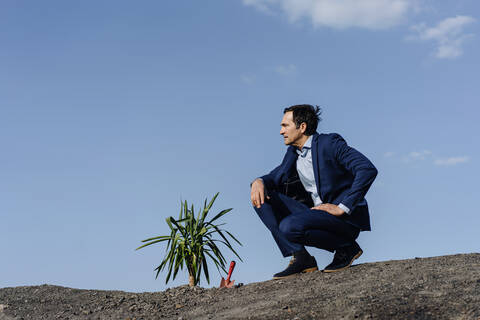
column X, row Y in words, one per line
column 303, row 127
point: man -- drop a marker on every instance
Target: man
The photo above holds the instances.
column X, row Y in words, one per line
column 315, row 197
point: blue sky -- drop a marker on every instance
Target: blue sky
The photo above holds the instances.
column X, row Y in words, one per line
column 111, row 112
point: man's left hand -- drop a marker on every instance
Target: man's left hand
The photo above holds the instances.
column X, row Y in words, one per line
column 330, row 208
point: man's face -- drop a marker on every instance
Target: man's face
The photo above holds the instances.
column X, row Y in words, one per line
column 291, row 135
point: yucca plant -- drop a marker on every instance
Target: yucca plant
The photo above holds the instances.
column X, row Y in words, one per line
column 191, row 242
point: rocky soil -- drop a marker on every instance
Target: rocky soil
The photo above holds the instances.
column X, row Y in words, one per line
column 446, row 287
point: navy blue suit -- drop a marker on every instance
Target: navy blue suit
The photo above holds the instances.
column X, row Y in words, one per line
column 342, row 175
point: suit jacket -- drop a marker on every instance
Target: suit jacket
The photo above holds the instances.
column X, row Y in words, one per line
column 342, row 175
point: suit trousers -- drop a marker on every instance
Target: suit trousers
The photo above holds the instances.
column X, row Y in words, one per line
column 294, row 225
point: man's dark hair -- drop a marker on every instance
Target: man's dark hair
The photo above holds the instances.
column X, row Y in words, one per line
column 306, row 113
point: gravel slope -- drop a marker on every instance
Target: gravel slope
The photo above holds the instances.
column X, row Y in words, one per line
column 446, row 287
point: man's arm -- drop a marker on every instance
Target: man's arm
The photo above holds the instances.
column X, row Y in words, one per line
column 269, row 179
column 260, row 185
column 363, row 170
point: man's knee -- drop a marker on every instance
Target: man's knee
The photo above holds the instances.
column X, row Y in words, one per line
column 291, row 229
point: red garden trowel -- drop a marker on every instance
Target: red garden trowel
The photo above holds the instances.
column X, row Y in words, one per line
column 227, row 283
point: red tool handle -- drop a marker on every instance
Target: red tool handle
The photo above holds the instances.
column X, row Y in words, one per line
column 232, row 266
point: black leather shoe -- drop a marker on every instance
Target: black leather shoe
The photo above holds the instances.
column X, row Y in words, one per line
column 298, row 264
column 344, row 257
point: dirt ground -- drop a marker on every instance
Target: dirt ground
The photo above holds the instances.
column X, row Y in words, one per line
column 446, row 287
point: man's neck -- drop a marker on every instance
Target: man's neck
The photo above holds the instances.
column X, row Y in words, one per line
column 301, row 142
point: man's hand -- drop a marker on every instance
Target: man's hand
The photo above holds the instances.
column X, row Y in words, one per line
column 330, row 208
column 257, row 193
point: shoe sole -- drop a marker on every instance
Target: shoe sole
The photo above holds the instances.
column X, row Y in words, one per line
column 353, row 259
column 293, row 274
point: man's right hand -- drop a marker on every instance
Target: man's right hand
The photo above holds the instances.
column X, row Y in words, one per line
column 257, row 193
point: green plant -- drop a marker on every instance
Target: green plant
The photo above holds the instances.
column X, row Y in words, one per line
column 191, row 241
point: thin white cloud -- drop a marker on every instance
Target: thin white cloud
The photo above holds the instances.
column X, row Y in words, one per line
column 341, row 14
column 451, row 161
column 448, row 35
column 417, row 156
column 286, row 70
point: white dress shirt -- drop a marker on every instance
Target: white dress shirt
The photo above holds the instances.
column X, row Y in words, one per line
column 307, row 176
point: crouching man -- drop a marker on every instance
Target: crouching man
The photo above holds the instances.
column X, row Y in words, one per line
column 315, row 197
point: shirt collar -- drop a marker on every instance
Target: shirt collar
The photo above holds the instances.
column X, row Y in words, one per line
column 308, row 145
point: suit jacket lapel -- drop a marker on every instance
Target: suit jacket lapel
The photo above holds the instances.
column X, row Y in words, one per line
column 316, row 169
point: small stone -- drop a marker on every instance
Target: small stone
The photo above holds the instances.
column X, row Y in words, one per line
column 132, row 308
column 3, row 307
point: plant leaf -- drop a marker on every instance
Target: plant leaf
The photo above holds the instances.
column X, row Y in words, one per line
column 231, row 235
column 154, row 238
column 223, row 212
column 205, row 267
column 147, row 244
